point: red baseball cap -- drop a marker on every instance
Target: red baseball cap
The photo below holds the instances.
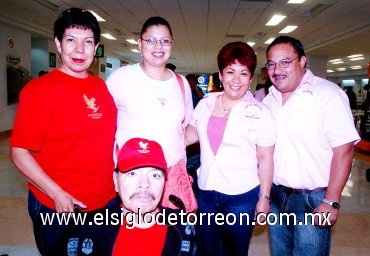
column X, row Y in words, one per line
column 138, row 152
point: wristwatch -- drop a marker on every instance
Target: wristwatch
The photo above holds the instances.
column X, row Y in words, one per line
column 333, row 204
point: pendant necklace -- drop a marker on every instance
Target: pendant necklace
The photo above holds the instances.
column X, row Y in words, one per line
column 221, row 108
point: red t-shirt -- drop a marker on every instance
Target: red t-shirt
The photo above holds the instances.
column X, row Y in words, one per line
column 140, row 242
column 69, row 124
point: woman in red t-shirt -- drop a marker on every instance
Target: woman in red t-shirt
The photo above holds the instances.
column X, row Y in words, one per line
column 62, row 143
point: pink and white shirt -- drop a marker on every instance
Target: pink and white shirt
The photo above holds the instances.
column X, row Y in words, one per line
column 142, row 114
column 315, row 119
column 233, row 170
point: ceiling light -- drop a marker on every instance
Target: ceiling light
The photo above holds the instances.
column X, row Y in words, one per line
column 251, row 43
column 335, row 60
column 276, row 19
column 288, row 29
column 109, row 36
column 356, row 67
column 355, row 56
column 270, row 40
column 295, row 1
column 329, row 71
column 134, row 50
column 358, row 58
column 132, row 41
column 97, row 16
column 340, row 69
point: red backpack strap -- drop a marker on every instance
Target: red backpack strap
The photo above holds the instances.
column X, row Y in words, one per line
column 179, row 79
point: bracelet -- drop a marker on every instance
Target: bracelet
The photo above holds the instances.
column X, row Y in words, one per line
column 261, row 195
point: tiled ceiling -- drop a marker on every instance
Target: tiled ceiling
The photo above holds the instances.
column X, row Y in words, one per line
column 331, row 28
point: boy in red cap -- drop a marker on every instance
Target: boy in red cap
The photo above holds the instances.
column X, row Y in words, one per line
column 139, row 181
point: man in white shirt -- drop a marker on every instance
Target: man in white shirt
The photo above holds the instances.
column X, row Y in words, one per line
column 313, row 151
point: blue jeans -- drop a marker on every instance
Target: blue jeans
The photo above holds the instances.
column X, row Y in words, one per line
column 55, row 239
column 297, row 239
column 215, row 239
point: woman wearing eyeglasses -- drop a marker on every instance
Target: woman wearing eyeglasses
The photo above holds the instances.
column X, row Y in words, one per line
column 149, row 97
column 237, row 136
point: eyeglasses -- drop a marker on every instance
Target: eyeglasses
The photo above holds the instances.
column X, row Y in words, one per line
column 283, row 63
column 153, row 41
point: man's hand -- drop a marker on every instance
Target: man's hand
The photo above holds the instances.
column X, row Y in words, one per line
column 329, row 215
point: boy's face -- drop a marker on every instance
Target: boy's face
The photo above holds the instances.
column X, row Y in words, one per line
column 140, row 188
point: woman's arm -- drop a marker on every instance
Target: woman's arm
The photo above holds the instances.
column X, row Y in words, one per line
column 191, row 135
column 265, row 174
column 32, row 171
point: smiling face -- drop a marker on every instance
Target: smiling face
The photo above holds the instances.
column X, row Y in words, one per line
column 140, row 188
column 77, row 50
column 286, row 80
column 236, row 79
column 155, row 55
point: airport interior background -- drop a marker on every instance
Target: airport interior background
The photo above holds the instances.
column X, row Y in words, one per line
column 335, row 34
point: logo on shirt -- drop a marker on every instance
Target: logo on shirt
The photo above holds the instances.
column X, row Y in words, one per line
column 253, row 111
column 92, row 105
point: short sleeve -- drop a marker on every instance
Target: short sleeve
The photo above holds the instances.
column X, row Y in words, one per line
column 195, row 116
column 189, row 102
column 33, row 116
column 338, row 124
column 267, row 134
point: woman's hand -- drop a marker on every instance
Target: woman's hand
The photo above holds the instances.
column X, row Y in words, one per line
column 262, row 206
column 64, row 202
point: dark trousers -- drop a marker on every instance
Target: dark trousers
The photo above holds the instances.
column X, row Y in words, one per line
column 226, row 240
column 56, row 239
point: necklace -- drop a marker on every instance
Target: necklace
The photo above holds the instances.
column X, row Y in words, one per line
column 221, row 108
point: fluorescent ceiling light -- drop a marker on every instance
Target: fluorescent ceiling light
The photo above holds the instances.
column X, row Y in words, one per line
column 329, row 71
column 356, row 67
column 295, row 1
column 358, row 58
column 355, row 56
column 269, row 41
column 341, row 69
column 134, row 50
column 276, row 19
column 251, row 43
column 288, row 29
column 132, row 41
column 335, row 60
column 97, row 16
column 109, row 36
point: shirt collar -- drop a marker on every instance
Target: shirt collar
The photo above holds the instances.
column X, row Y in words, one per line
column 306, row 83
column 210, row 97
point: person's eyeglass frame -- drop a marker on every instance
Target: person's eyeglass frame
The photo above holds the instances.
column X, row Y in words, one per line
column 156, row 40
column 270, row 65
